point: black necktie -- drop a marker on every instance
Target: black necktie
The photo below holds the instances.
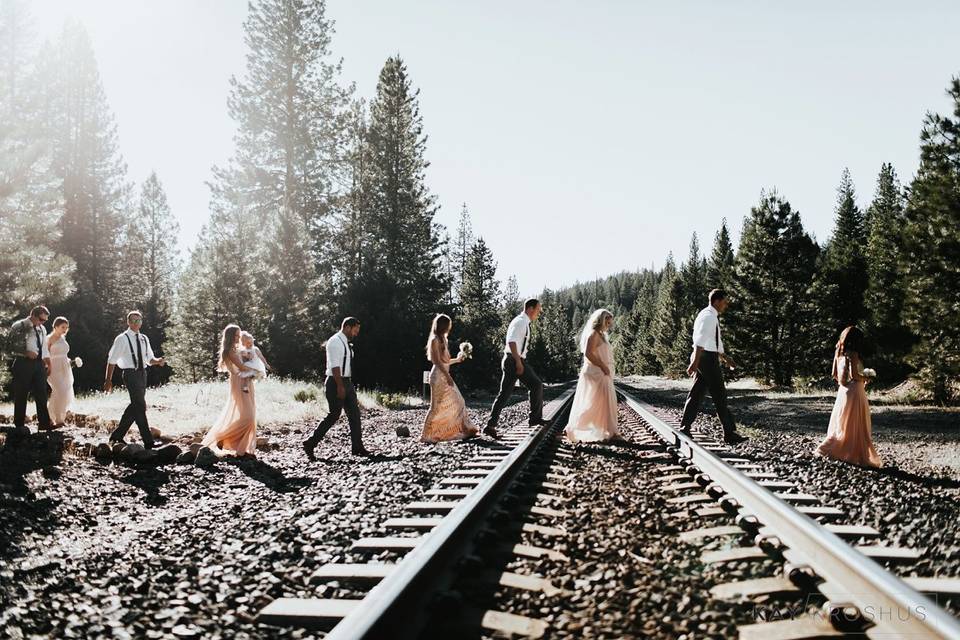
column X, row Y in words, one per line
column 36, row 332
column 139, row 354
column 718, row 335
column 526, row 337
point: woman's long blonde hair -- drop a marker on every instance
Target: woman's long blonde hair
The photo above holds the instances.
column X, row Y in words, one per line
column 227, row 344
column 595, row 322
column 440, row 328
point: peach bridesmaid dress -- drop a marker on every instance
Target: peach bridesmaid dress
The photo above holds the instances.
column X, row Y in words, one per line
column 448, row 418
column 61, row 382
column 593, row 415
column 848, row 436
column 235, row 431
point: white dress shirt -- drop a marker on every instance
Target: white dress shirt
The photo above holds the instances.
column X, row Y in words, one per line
column 123, row 353
column 519, row 331
column 706, row 330
column 29, row 337
column 339, row 355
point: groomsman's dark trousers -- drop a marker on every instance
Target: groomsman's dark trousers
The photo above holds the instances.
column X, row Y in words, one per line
column 338, row 406
column 29, row 376
column 136, row 383
column 708, row 379
column 530, row 380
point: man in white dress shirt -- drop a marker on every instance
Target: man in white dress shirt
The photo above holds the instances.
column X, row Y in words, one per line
column 706, row 371
column 514, row 366
column 339, row 389
column 131, row 352
column 30, row 368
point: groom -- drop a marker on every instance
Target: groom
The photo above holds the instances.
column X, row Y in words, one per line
column 514, row 366
column 30, row 368
column 705, row 369
column 339, row 388
column 131, row 352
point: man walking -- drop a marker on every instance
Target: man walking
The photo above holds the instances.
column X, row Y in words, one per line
column 131, row 352
column 705, row 369
column 514, row 366
column 30, row 368
column 339, row 389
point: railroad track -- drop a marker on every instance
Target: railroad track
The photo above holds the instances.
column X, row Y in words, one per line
column 464, row 527
column 793, row 527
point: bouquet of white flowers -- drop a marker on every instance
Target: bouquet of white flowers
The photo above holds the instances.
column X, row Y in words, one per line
column 466, row 350
column 78, row 362
column 869, row 373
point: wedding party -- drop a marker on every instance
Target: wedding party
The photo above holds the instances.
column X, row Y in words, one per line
column 385, row 320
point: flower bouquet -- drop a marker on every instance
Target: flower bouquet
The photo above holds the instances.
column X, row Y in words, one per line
column 466, row 350
column 78, row 362
column 869, row 373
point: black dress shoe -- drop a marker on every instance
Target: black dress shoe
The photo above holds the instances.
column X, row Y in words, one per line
column 686, row 431
column 490, row 431
column 308, row 447
column 734, row 438
column 540, row 423
column 360, row 451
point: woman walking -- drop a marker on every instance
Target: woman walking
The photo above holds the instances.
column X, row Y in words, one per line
column 447, row 418
column 593, row 414
column 61, row 373
column 848, row 436
column 235, row 431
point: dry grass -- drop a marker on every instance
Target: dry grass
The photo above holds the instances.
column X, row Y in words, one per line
column 178, row 409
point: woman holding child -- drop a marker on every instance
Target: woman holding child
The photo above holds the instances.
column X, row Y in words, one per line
column 235, row 431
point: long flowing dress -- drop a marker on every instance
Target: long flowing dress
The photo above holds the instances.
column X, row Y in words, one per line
column 849, row 434
column 448, row 418
column 235, row 430
column 593, row 414
column 61, row 382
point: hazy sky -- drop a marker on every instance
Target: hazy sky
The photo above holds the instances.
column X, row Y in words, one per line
column 586, row 138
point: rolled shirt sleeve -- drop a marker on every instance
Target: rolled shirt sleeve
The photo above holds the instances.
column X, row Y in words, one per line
column 114, row 356
column 148, row 352
column 516, row 332
column 704, row 331
column 335, row 355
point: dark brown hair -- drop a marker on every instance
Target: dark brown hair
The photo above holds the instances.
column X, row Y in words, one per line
column 440, row 328
column 717, row 294
column 349, row 321
column 38, row 311
column 531, row 303
column 59, row 321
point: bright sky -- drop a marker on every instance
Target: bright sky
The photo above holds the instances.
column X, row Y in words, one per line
column 586, row 138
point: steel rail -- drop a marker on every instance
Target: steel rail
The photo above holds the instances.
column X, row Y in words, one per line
column 880, row 595
column 397, row 606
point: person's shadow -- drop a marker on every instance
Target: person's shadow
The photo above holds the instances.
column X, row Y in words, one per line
column 149, row 480
column 908, row 476
column 269, row 476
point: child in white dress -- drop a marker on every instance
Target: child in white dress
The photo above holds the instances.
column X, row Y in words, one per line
column 255, row 365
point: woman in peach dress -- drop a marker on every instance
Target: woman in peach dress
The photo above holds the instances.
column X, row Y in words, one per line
column 61, row 373
column 448, row 418
column 235, row 431
column 848, row 436
column 593, row 415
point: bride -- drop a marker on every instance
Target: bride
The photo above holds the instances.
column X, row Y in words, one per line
column 593, row 416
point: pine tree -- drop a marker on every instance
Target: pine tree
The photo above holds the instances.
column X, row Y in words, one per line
column 693, row 275
column 293, row 120
column 931, row 251
column 511, row 299
column 461, row 249
column 403, row 281
column 843, row 272
column 151, row 238
column 884, row 298
column 92, row 193
column 720, row 264
column 772, row 328
column 668, row 319
column 480, row 302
